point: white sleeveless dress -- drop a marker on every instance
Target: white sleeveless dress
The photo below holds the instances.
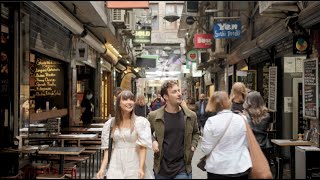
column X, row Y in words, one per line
column 124, row 162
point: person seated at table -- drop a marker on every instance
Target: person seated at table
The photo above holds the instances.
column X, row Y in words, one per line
column 87, row 108
column 131, row 137
column 258, row 118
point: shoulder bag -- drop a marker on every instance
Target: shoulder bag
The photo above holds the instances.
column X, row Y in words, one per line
column 109, row 146
column 202, row 163
column 260, row 167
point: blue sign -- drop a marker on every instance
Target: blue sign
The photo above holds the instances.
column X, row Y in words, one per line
column 229, row 29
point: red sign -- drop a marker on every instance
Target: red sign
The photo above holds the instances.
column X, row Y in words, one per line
column 203, row 41
column 127, row 4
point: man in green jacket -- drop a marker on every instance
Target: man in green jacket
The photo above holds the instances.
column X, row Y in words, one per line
column 175, row 135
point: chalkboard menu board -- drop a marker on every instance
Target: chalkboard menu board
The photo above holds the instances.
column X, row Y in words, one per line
column 53, row 125
column 310, row 89
column 272, row 99
column 248, row 78
column 47, row 82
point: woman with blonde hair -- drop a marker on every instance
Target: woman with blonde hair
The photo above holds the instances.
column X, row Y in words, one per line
column 258, row 118
column 237, row 96
column 141, row 108
column 225, row 141
column 131, row 137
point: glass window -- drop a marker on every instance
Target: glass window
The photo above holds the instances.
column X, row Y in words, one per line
column 154, row 16
column 24, row 71
column 179, row 11
column 171, row 10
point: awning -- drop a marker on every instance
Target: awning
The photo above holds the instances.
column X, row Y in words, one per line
column 311, row 15
column 275, row 33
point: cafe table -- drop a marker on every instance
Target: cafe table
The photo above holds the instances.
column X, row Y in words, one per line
column 291, row 144
column 97, row 124
column 62, row 137
column 62, row 151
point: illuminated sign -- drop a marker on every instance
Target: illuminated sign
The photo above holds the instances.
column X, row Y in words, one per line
column 142, row 37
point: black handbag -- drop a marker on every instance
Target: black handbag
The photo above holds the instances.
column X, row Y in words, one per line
column 109, row 146
column 202, row 163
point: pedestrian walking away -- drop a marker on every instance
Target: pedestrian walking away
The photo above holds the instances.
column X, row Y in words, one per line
column 258, row 118
column 237, row 97
column 175, row 135
column 225, row 141
column 131, row 138
column 200, row 107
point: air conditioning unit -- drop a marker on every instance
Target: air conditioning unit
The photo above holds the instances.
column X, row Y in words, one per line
column 118, row 19
column 129, row 21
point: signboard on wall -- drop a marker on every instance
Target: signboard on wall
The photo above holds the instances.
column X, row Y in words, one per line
column 228, row 29
column 248, row 77
column 310, row 89
column 47, row 81
column 142, row 37
column 301, row 45
column 203, row 41
column 272, row 98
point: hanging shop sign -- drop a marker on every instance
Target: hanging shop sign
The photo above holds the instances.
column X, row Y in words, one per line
column 310, row 89
column 229, row 29
column 301, row 45
column 192, row 56
column 203, row 41
column 142, row 37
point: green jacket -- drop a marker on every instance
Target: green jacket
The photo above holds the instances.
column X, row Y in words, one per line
column 191, row 135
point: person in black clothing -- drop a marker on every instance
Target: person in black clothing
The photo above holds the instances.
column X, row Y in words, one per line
column 87, row 108
column 141, row 108
column 200, row 107
column 237, row 97
column 258, row 118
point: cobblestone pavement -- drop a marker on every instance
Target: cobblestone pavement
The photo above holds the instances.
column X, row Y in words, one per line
column 196, row 172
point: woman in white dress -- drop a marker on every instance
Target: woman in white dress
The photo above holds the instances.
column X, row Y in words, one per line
column 131, row 138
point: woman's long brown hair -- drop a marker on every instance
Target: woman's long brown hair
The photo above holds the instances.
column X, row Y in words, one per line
column 118, row 119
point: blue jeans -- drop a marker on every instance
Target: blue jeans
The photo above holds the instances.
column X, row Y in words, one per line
column 182, row 175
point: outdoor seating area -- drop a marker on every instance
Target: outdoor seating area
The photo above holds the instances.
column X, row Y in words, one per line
column 71, row 153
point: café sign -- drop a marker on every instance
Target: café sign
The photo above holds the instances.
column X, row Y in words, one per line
column 142, row 37
column 229, row 29
column 203, row 41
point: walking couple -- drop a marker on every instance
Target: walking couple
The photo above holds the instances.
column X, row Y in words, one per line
column 171, row 132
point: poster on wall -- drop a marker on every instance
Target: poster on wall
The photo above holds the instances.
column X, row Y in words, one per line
column 310, row 89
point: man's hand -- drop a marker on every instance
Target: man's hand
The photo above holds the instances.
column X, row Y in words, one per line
column 155, row 146
column 193, row 149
